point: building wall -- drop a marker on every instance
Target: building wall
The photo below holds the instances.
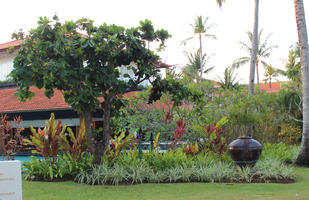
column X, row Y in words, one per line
column 6, row 65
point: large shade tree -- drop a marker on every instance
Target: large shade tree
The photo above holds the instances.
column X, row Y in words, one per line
column 85, row 67
column 303, row 156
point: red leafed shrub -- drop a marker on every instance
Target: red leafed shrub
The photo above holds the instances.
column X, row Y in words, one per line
column 179, row 132
column 215, row 141
column 10, row 138
column 168, row 117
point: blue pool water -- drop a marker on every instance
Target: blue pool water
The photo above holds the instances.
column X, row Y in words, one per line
column 20, row 158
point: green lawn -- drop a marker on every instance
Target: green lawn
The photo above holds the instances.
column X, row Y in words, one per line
column 73, row 191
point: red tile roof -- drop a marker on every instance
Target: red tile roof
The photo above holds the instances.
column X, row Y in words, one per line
column 275, row 87
column 162, row 65
column 15, row 43
column 9, row 103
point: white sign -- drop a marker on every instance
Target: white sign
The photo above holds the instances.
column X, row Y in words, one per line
column 10, row 180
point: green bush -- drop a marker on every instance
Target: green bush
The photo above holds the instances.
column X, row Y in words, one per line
column 280, row 151
column 63, row 167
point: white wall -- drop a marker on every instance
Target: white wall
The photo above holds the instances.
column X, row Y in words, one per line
column 6, row 65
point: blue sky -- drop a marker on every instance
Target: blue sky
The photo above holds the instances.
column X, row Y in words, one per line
column 232, row 21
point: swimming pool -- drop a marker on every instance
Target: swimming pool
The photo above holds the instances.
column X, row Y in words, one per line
column 20, row 158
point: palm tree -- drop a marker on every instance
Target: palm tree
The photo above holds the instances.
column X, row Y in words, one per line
column 303, row 156
column 192, row 69
column 229, row 79
column 293, row 70
column 220, row 2
column 254, row 47
column 201, row 28
column 263, row 51
column 270, row 73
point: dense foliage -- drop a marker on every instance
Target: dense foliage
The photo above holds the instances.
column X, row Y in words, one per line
column 85, row 67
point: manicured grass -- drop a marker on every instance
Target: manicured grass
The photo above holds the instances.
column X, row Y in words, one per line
column 73, row 191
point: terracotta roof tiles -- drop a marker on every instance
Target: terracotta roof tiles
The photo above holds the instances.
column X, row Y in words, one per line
column 275, row 87
column 9, row 102
column 15, row 43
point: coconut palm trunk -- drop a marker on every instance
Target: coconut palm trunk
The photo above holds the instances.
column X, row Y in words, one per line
column 303, row 156
column 257, row 74
column 254, row 47
column 201, row 58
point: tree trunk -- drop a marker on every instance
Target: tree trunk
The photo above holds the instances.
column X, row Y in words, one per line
column 103, row 144
column 270, row 85
column 254, row 48
column 303, row 156
column 201, row 58
column 87, row 116
column 257, row 74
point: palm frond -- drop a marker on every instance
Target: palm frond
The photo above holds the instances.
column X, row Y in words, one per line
column 240, row 61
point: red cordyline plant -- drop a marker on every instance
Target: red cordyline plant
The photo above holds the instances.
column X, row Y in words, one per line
column 216, row 142
column 168, row 117
column 10, row 138
column 179, row 132
column 47, row 141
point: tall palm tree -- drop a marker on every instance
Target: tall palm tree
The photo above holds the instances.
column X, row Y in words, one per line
column 263, row 51
column 201, row 28
column 220, row 2
column 254, row 47
column 192, row 68
column 270, row 73
column 303, row 156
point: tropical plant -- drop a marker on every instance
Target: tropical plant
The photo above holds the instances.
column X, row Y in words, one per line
column 47, row 141
column 194, row 66
column 263, row 51
column 303, row 156
column 292, row 66
column 229, row 79
column 201, row 28
column 62, row 168
column 283, row 152
column 178, row 134
column 156, row 141
column 117, row 145
column 220, row 2
column 215, row 142
column 191, row 149
column 270, row 73
column 76, row 143
column 10, row 137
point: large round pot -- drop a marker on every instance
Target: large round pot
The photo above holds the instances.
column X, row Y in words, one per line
column 245, row 151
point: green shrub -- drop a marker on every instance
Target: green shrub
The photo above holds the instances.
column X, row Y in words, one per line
column 282, row 152
column 167, row 160
column 61, row 168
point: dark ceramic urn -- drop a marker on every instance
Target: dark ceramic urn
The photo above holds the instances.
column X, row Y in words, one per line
column 245, row 151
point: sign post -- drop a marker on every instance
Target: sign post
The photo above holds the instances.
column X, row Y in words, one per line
column 10, row 180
